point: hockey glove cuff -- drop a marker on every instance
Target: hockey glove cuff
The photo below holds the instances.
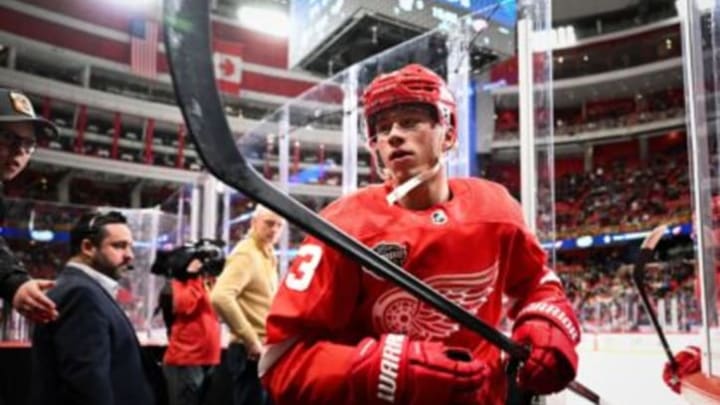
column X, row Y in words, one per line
column 396, row 370
column 552, row 335
column 688, row 362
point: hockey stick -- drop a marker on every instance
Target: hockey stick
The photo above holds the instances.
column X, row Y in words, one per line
column 187, row 44
column 646, row 253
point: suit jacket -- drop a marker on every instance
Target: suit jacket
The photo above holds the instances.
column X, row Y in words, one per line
column 90, row 355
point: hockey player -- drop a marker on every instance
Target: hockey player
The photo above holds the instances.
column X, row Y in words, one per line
column 339, row 335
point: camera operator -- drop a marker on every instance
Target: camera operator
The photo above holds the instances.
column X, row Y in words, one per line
column 194, row 339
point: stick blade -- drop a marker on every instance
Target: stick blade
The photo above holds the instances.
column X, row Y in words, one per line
column 654, row 237
column 646, row 253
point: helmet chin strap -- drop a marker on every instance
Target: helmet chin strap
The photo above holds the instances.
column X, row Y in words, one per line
column 401, row 190
column 409, row 185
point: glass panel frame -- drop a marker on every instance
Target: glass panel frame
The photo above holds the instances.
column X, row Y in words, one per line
column 700, row 33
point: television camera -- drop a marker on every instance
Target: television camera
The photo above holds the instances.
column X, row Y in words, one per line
column 173, row 263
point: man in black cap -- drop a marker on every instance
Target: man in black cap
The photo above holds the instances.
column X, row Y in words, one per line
column 20, row 128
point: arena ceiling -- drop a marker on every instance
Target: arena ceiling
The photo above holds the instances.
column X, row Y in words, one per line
column 367, row 34
column 564, row 11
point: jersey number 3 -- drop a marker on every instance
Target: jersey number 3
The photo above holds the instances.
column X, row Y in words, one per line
column 301, row 275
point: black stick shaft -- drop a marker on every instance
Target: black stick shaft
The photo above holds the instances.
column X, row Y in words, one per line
column 645, row 255
column 584, row 392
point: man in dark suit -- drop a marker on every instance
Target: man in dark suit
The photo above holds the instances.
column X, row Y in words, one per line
column 91, row 355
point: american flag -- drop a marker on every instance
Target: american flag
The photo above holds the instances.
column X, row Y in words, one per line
column 143, row 47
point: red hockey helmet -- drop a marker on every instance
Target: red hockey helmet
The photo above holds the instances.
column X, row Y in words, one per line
column 413, row 84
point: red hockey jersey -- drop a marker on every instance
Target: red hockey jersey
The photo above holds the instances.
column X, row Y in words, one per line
column 474, row 249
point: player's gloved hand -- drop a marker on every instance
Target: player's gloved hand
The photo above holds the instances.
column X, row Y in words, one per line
column 396, row 370
column 688, row 361
column 552, row 364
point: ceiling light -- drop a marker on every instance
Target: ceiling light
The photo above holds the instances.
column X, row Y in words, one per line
column 479, row 24
column 266, row 20
column 557, row 38
column 149, row 5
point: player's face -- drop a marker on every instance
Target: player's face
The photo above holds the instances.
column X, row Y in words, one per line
column 409, row 140
column 17, row 142
column 268, row 227
column 114, row 255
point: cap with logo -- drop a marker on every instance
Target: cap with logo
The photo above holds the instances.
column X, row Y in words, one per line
column 16, row 107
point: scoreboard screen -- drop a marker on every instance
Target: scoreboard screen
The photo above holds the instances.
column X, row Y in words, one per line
column 315, row 23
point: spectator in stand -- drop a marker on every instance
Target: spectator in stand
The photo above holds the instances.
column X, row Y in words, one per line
column 20, row 129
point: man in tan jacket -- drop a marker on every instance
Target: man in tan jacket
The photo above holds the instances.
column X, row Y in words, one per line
column 242, row 296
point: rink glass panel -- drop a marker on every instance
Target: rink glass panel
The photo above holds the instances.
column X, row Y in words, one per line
column 701, row 65
column 39, row 232
column 314, row 147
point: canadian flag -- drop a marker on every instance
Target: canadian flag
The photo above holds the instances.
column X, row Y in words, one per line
column 227, row 59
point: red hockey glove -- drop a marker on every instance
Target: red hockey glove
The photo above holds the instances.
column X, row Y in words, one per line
column 552, row 336
column 688, row 361
column 396, row 370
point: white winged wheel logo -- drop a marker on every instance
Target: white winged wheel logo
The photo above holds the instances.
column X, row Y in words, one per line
column 398, row 312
